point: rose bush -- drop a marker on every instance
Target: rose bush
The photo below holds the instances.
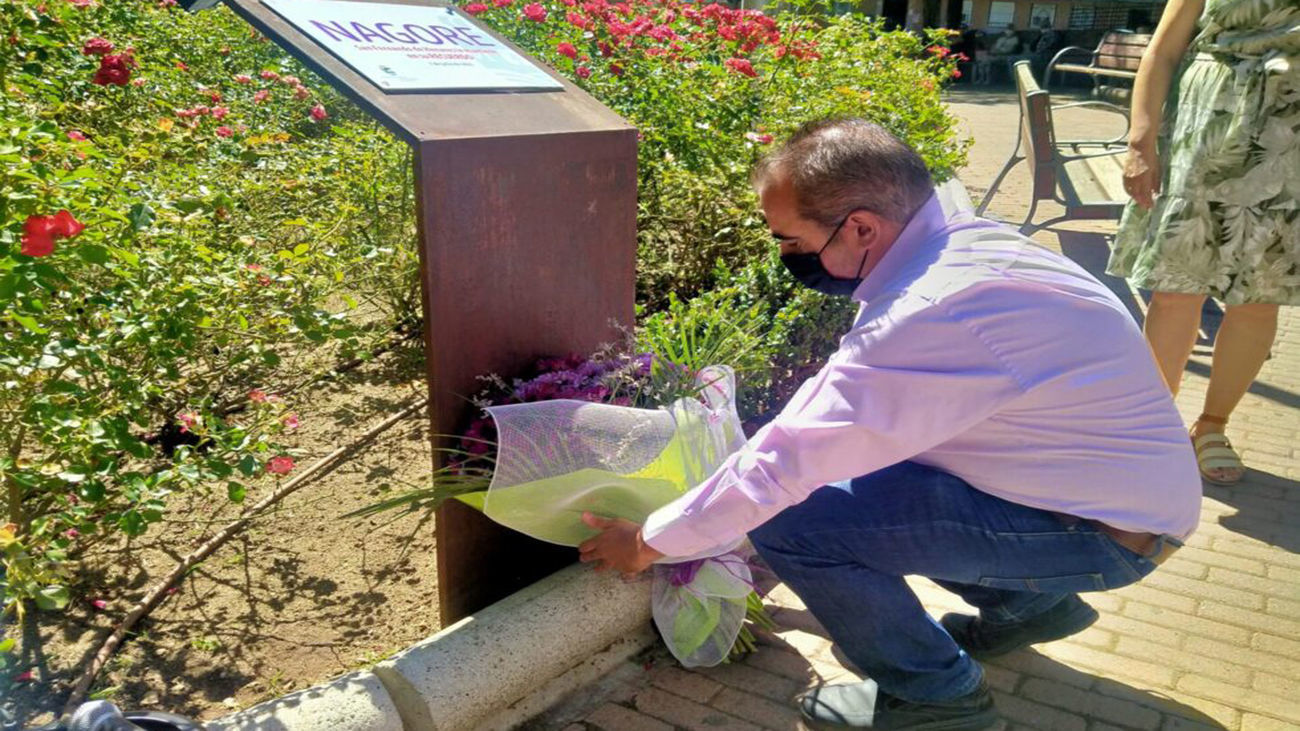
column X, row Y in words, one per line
column 710, row 88
column 182, row 220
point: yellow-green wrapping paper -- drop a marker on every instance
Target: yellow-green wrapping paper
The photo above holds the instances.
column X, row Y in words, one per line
column 559, row 459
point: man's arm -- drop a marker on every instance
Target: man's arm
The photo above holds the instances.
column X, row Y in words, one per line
column 897, row 387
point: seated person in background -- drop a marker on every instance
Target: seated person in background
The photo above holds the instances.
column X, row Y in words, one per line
column 1007, row 44
column 983, row 59
column 1045, row 45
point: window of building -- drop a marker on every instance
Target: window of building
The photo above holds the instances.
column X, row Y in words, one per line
column 1042, row 16
column 1081, row 17
column 967, row 10
column 1001, row 14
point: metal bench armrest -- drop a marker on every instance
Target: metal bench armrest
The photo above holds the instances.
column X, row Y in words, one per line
column 1060, row 56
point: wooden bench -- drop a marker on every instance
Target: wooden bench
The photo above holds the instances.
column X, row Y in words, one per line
column 1115, row 59
column 1084, row 176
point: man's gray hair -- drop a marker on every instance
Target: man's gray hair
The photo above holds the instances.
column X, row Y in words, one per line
column 842, row 164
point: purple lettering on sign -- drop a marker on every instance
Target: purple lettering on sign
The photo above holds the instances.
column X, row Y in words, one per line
column 365, row 32
column 336, row 31
column 447, row 33
column 467, row 33
column 390, row 35
column 422, row 34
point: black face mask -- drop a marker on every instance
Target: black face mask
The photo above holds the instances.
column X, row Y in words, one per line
column 811, row 273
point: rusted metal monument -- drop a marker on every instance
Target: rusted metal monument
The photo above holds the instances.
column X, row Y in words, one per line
column 526, row 216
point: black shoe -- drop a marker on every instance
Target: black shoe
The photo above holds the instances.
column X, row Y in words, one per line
column 983, row 640
column 864, row 705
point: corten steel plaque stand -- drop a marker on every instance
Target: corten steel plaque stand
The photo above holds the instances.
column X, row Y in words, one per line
column 527, row 224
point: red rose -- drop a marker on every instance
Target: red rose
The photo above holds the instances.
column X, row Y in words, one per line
column 38, row 236
column 616, row 69
column 224, row 131
column 319, row 114
column 476, row 8
column 535, row 12
column 567, row 49
column 583, row 72
column 66, row 226
column 97, row 47
column 939, row 51
column 114, row 69
column 760, row 139
column 270, row 75
column 577, row 20
column 741, row 66
column 502, row 3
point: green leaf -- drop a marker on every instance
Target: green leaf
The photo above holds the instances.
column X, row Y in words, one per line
column 28, row 322
column 141, row 216
column 248, row 465
column 235, row 492
column 93, row 253
column 132, row 523
column 53, row 597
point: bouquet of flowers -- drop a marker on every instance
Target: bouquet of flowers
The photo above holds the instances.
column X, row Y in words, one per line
column 571, row 439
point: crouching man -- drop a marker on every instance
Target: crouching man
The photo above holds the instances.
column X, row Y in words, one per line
column 993, row 420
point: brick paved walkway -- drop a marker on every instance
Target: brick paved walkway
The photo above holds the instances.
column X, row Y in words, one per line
column 1211, row 640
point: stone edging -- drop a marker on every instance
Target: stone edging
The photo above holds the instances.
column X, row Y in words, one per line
column 493, row 669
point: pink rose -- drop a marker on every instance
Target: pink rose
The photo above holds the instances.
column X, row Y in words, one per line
column 261, row 96
column 76, row 136
column 291, row 421
column 269, row 75
column 219, row 112
column 257, row 395
column 318, row 113
column 224, row 131
column 300, row 93
column 476, row 8
column 761, row 139
column 187, row 419
column 97, row 47
column 567, row 49
column 25, row 677
column 280, row 465
column 243, row 79
column 72, row 533
column 535, row 12
column 291, row 81
column 99, row 603
column 583, row 72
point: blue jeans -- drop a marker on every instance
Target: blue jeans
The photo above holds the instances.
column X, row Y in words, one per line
column 846, row 549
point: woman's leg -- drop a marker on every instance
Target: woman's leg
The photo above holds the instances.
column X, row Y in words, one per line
column 1171, row 324
column 1240, row 349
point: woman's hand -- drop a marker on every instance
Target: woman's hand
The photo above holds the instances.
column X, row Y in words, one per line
column 1142, row 173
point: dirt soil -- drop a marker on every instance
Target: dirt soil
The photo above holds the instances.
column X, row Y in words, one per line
column 302, row 596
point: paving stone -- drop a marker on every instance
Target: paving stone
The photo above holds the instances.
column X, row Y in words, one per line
column 610, row 717
column 688, row 714
column 1180, row 622
column 1285, row 708
column 1093, row 705
column 686, row 684
column 752, row 708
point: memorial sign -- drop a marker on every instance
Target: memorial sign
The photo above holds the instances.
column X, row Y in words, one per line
column 526, row 220
column 413, row 47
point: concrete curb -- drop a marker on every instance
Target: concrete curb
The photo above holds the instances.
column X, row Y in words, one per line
column 489, row 663
column 492, row 670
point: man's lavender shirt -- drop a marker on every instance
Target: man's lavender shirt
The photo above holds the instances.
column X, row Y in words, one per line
column 977, row 352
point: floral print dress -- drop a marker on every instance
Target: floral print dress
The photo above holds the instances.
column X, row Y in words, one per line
column 1227, row 221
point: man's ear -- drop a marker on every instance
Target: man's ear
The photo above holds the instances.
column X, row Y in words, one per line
column 866, row 227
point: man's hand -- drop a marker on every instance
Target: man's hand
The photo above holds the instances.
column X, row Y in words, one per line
column 619, row 546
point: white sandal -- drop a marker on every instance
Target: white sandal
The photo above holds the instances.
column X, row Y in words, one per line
column 1214, row 452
